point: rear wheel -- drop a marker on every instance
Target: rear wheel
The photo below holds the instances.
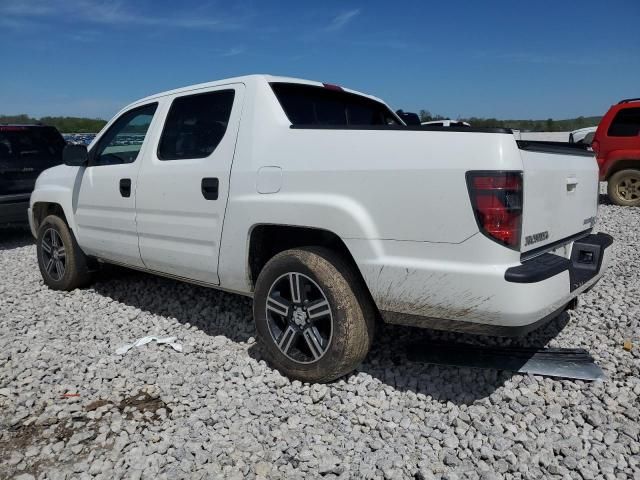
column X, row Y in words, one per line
column 624, row 188
column 63, row 265
column 313, row 316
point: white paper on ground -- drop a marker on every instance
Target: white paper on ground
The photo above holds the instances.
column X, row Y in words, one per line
column 171, row 341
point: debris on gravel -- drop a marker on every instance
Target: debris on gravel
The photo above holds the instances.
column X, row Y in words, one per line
column 72, row 408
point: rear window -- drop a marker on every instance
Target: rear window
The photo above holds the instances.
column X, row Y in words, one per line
column 311, row 105
column 25, row 143
column 626, row 123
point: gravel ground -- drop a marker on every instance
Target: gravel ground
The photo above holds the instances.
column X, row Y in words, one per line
column 71, row 408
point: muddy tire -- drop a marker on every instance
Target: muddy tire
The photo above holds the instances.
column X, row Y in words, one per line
column 63, row 265
column 314, row 317
column 623, row 188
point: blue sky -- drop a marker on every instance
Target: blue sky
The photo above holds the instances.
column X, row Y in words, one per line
column 510, row 59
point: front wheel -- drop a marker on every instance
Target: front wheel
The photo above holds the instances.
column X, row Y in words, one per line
column 624, row 188
column 313, row 316
column 63, row 265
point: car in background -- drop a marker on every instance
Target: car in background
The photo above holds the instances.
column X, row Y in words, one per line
column 445, row 123
column 79, row 138
column 410, row 119
column 25, row 151
column 583, row 135
column 617, row 147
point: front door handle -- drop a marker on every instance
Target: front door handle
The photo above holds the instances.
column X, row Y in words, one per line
column 209, row 188
column 125, row 187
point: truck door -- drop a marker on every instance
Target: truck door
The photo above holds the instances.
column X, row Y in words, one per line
column 184, row 183
column 105, row 208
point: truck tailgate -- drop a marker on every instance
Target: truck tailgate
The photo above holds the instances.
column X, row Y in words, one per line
column 561, row 192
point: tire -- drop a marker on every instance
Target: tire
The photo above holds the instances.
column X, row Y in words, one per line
column 338, row 337
column 623, row 188
column 67, row 269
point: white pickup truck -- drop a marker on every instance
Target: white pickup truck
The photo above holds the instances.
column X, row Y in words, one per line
column 323, row 206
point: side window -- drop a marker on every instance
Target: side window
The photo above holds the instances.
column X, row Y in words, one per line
column 123, row 140
column 310, row 105
column 626, row 123
column 195, row 125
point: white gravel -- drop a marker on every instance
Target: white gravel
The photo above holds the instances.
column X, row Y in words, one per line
column 218, row 411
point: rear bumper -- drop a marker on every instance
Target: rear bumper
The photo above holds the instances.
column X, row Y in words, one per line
column 13, row 208
column 587, row 255
column 492, row 298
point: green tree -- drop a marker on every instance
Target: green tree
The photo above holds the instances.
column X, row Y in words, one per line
column 63, row 124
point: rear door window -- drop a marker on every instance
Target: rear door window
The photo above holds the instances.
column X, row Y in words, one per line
column 311, row 105
column 195, row 125
column 626, row 123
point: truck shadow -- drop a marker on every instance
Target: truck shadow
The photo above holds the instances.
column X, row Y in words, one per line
column 395, row 361
column 604, row 199
column 15, row 237
column 219, row 313
column 211, row 311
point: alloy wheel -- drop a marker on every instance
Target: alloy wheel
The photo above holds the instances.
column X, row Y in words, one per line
column 54, row 255
column 299, row 317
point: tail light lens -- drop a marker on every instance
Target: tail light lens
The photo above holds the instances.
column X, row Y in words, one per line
column 595, row 146
column 496, row 198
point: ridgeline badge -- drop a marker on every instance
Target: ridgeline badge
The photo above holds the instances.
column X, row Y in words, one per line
column 535, row 238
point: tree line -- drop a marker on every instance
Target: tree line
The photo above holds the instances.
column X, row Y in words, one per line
column 548, row 125
column 63, row 124
column 94, row 125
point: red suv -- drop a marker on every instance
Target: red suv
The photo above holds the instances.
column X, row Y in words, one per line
column 617, row 146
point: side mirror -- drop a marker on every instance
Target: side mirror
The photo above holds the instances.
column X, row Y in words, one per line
column 75, row 155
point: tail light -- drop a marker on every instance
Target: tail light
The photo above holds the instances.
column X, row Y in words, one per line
column 595, row 146
column 496, row 198
column 331, row 86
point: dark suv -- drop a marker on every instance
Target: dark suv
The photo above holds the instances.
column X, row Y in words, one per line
column 25, row 151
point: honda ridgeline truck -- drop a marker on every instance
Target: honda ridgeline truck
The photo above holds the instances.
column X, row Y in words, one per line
column 318, row 202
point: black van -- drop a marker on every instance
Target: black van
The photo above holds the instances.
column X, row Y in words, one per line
column 25, row 151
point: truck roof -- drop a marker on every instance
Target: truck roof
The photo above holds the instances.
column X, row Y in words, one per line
column 246, row 79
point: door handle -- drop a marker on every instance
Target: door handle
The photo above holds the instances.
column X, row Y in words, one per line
column 125, row 187
column 209, row 188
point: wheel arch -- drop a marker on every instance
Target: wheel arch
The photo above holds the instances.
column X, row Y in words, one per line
column 40, row 210
column 267, row 240
column 622, row 164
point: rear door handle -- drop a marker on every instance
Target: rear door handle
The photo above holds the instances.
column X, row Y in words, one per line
column 209, row 188
column 125, row 187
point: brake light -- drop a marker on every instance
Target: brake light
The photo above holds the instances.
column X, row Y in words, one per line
column 496, row 198
column 595, row 145
column 331, row 86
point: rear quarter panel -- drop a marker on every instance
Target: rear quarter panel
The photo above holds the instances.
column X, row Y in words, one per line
column 359, row 184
